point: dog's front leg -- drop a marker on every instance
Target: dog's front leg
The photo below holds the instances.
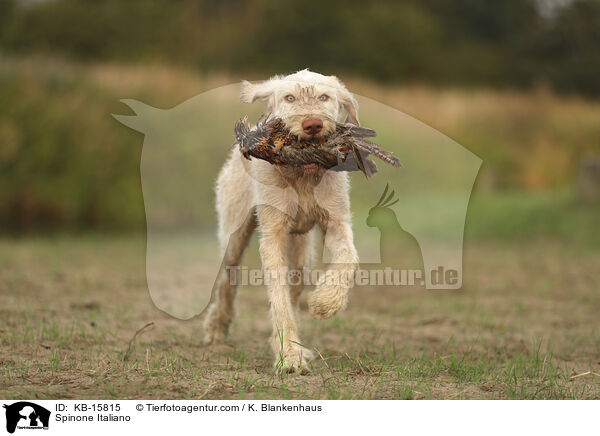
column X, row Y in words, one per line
column 275, row 227
column 331, row 294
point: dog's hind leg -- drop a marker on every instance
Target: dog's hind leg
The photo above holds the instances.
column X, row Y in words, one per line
column 237, row 223
column 221, row 310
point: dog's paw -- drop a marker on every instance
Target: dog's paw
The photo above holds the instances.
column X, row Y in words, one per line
column 215, row 336
column 215, row 328
column 294, row 360
column 327, row 300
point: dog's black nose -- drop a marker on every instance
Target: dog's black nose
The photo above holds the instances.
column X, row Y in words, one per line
column 312, row 126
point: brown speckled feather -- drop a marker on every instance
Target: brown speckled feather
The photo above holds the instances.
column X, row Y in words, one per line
column 344, row 150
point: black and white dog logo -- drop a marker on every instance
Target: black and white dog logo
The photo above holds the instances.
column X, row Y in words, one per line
column 26, row 415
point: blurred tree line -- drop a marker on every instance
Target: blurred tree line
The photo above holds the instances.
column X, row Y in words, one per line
column 518, row 43
column 66, row 165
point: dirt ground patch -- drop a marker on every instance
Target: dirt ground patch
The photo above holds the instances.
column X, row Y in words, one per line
column 524, row 324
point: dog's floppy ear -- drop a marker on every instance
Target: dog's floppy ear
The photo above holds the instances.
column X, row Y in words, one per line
column 349, row 104
column 250, row 92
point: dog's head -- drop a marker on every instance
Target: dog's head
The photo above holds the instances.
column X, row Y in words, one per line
column 308, row 103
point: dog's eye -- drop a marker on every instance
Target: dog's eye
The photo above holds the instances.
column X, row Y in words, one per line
column 324, row 97
column 290, row 98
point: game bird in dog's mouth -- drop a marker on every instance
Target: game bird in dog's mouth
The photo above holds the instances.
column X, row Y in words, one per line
column 346, row 149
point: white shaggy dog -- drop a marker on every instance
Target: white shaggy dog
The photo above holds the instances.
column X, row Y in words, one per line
column 285, row 203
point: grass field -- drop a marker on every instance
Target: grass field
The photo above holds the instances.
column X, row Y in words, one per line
column 525, row 323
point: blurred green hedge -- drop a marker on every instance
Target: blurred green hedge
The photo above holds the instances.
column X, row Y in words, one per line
column 67, row 165
column 64, row 164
